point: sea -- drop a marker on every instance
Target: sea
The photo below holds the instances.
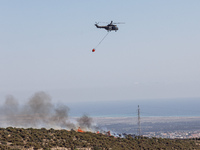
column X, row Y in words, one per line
column 177, row 107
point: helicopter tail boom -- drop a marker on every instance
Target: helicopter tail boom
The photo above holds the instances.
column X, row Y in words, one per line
column 99, row 26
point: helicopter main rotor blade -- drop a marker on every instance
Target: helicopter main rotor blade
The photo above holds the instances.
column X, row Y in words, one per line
column 112, row 22
column 103, row 22
column 118, row 22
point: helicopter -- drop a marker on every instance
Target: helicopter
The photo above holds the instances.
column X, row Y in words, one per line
column 109, row 27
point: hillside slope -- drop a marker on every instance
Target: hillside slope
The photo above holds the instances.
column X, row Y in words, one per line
column 19, row 138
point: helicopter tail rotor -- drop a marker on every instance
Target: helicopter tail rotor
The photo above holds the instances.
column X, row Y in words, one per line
column 96, row 24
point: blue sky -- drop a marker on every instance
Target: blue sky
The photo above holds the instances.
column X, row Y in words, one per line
column 46, row 46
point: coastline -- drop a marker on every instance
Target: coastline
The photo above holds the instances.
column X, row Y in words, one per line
column 133, row 120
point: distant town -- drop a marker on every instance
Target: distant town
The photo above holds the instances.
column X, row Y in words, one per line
column 160, row 127
column 175, row 134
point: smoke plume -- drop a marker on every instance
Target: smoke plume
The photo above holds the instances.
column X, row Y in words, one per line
column 39, row 112
column 85, row 122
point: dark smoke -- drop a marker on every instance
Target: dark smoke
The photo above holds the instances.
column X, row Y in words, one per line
column 85, row 122
column 39, row 108
column 39, row 112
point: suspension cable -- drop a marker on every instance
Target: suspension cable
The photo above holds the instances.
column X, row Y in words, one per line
column 93, row 50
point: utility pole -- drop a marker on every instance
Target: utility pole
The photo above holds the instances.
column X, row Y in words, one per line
column 139, row 126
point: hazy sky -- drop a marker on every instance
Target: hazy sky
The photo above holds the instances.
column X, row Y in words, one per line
column 46, row 46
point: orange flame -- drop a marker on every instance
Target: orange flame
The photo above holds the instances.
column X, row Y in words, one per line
column 79, row 130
